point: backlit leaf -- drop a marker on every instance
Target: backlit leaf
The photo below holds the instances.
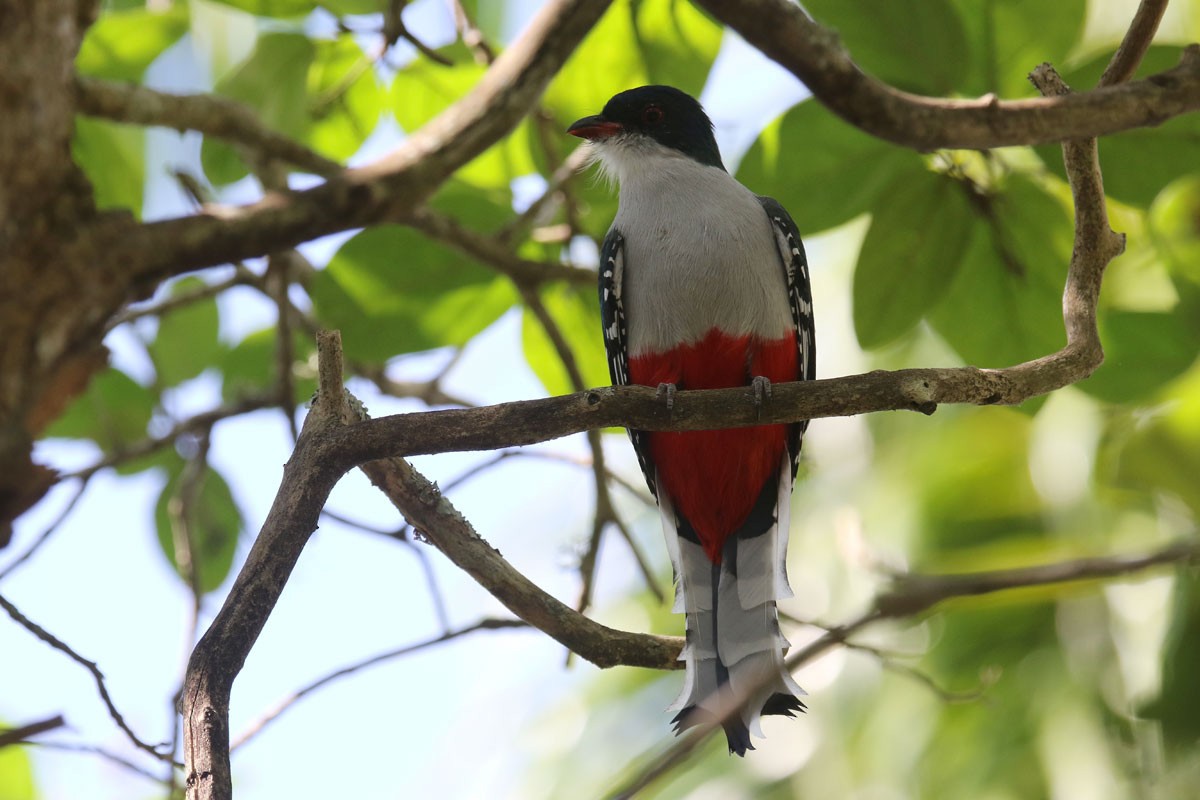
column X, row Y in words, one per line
column 113, row 156
column 274, row 82
column 187, row 342
column 213, row 524
column 121, row 44
column 912, row 251
column 915, row 45
column 392, row 291
column 114, row 411
column 822, row 170
column 577, row 313
column 1005, row 305
column 1008, row 38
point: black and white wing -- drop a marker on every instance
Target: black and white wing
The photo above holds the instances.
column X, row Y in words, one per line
column 795, row 268
column 612, row 315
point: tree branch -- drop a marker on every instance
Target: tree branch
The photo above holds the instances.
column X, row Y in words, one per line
column 927, row 591
column 1135, row 43
column 523, row 272
column 390, row 188
column 209, row 114
column 90, row 666
column 20, row 735
column 256, row 727
column 814, row 54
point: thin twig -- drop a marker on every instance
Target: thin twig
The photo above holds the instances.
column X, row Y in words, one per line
column 200, row 424
column 256, row 727
column 1135, row 43
column 242, row 276
column 90, row 666
column 23, row 733
column 605, row 512
column 493, row 252
column 395, row 29
column 431, row 583
column 68, row 747
column 545, row 205
column 910, row 595
column 45, row 535
column 889, row 662
column 472, row 36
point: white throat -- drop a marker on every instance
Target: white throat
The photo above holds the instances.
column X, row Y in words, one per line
column 699, row 249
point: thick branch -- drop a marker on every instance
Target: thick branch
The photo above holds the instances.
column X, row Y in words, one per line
column 430, row 513
column 814, row 54
column 530, row 421
column 390, row 188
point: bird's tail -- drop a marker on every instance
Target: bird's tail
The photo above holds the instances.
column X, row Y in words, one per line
column 734, row 646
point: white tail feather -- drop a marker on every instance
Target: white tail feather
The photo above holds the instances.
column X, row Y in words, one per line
column 734, row 645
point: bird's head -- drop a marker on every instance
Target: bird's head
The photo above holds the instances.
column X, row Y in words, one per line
column 660, row 114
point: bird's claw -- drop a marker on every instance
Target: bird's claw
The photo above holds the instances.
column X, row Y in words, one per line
column 666, row 390
column 761, row 386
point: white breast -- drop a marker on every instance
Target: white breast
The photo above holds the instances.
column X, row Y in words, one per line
column 699, row 251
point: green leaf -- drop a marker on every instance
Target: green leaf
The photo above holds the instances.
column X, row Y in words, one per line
column 1008, row 38
column 577, row 314
column 915, row 45
column 911, row 253
column 1005, row 306
column 1175, row 227
column 635, row 43
column 423, row 89
column 114, row 411
column 391, row 291
column 123, row 43
column 187, row 342
column 273, row 8
column 113, row 156
column 606, row 62
column 250, row 367
column 677, row 42
column 1160, row 452
column 803, row 155
column 1179, row 697
column 342, row 7
column 1019, row 644
column 346, row 98
column 214, row 524
column 1142, row 352
column 1130, row 175
column 16, row 774
column 975, row 489
column 274, row 82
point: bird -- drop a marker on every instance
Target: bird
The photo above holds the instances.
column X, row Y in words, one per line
column 705, row 285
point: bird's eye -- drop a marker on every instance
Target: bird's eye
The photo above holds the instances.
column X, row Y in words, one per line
column 652, row 115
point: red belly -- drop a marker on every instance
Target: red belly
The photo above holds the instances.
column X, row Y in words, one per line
column 714, row 477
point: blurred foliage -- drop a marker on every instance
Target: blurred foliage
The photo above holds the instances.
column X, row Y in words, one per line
column 960, row 259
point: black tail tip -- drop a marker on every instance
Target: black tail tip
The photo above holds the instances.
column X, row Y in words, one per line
column 784, row 705
column 737, row 735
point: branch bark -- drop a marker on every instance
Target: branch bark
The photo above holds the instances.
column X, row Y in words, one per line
column 813, row 53
column 388, row 189
column 209, row 114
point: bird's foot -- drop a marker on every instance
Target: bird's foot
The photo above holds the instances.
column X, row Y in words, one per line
column 761, row 387
column 666, row 391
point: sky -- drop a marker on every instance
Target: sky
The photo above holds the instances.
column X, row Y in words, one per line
column 443, row 721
